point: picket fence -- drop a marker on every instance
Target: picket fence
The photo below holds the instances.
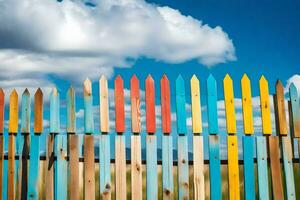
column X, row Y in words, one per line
column 260, row 152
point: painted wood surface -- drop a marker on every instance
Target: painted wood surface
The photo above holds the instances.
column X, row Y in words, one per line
column 25, row 112
column 196, row 105
column 212, row 105
column 73, row 167
column 119, row 105
column 214, row 167
column 135, row 105
column 2, row 104
column 54, row 112
column 295, row 107
column 167, row 167
column 136, row 168
column 104, row 106
column 180, row 106
column 265, row 106
column 105, row 175
column 248, row 156
column 71, row 111
column 247, row 105
column 49, row 167
column 262, row 167
column 120, row 167
column 13, row 113
column 151, row 167
column 198, row 158
column 280, row 109
column 61, row 166
column 38, row 112
column 89, row 167
column 165, row 98
column 183, row 168
column 150, row 105
column 88, row 107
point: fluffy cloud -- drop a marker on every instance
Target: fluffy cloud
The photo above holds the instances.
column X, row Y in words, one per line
column 39, row 39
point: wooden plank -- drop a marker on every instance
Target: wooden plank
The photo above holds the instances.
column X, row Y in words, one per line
column 119, row 105
column 198, row 158
column 295, row 108
column 247, row 105
column 180, row 106
column 89, row 167
column 120, row 164
column 280, row 109
column 196, row 105
column 135, row 105
column 274, row 150
column 73, row 168
column 233, row 167
column 105, row 175
column 248, row 156
column 165, row 105
column 49, row 167
column 38, row 112
column 229, row 105
column 214, row 168
column 287, row 154
column 54, row 112
column 262, row 167
column 212, row 105
column 167, row 167
column 13, row 130
column 265, row 106
column 34, row 163
column 2, row 104
column 71, row 112
column 150, row 105
column 136, row 168
column 104, row 106
column 61, row 166
column 151, row 167
column 88, row 107
column 2, row 143
column 25, row 112
column 183, row 168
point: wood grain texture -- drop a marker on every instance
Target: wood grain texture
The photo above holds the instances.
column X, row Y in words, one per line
column 13, row 112
column 2, row 104
column 120, row 168
column 262, row 167
column 295, row 108
column 25, row 112
column 1, row 166
column 119, row 105
column 135, row 105
column 136, row 168
column 275, row 165
column 214, row 168
column 73, row 167
column 167, row 167
column 105, row 173
column 54, row 111
column 89, row 167
column 49, row 185
column 248, row 156
column 104, row 106
column 150, row 105
column 212, row 105
column 196, row 105
column 183, row 168
column 71, row 111
column 265, row 106
column 280, row 109
column 38, row 112
column 165, row 105
column 88, row 107
column 247, row 105
column 198, row 158
column 180, row 106
column 11, row 168
column 229, row 105
column 61, row 166
column 151, row 167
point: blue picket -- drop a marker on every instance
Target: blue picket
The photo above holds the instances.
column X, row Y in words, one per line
column 151, row 167
column 212, row 105
column 167, row 165
column 88, row 110
column 180, row 106
column 104, row 157
column 71, row 118
column 54, row 112
column 248, row 155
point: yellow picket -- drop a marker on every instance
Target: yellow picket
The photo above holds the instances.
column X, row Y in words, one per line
column 196, row 105
column 265, row 106
column 104, row 113
column 247, row 105
column 13, row 112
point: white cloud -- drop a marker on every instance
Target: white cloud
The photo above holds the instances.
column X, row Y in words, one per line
column 70, row 40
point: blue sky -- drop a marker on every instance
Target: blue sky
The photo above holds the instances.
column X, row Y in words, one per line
column 75, row 41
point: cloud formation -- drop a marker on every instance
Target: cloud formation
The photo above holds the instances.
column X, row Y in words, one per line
column 69, row 39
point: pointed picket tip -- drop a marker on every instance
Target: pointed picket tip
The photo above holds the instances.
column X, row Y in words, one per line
column 263, row 79
column 211, row 79
column 87, row 87
column 103, row 78
column 54, row 92
column 134, row 80
column 293, row 87
column 293, row 90
column 179, row 78
column 164, row 78
column 71, row 90
column 194, row 79
column 38, row 92
column 245, row 78
column 14, row 93
column 227, row 79
column 1, row 91
column 149, row 79
column 26, row 92
column 119, row 79
column 279, row 83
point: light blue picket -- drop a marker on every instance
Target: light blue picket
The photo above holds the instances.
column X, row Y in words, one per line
column 25, row 112
column 34, row 163
column 212, row 105
column 104, row 157
column 71, row 118
column 61, row 166
column 287, row 154
column 167, row 165
column 54, row 112
column 88, row 108
column 295, row 108
column 214, row 146
column 248, row 155
column 4, row 180
column 262, row 167
column 151, row 167
column 180, row 106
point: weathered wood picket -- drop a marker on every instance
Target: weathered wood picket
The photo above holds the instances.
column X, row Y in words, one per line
column 263, row 146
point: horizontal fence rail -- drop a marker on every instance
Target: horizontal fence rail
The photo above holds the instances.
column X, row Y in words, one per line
column 181, row 154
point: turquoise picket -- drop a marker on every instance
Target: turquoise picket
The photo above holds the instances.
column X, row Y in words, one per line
column 295, row 108
column 248, row 155
column 71, row 119
column 151, row 167
column 54, row 112
column 167, row 165
column 180, row 106
column 104, row 157
column 88, row 112
column 214, row 147
column 25, row 112
column 262, row 167
column 4, row 180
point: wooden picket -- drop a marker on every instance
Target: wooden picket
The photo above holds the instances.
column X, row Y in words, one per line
column 20, row 168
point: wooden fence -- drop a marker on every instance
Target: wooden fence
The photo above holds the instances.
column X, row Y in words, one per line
column 261, row 152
